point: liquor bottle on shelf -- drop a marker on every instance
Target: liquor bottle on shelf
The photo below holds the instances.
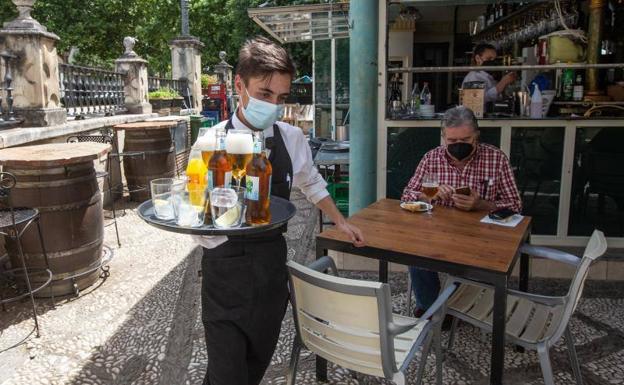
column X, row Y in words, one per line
column 414, row 102
column 536, row 103
column 568, row 84
column 578, row 88
column 425, row 95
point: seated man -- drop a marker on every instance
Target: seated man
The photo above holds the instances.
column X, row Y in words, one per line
column 461, row 161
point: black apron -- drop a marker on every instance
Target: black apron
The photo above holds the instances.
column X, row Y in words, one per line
column 244, row 291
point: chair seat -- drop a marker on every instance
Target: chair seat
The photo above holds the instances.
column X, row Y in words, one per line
column 527, row 321
column 404, row 342
column 22, row 214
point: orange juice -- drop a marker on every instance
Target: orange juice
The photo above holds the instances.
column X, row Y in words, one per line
column 196, row 176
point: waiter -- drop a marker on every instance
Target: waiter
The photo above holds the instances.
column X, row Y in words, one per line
column 485, row 54
column 244, row 280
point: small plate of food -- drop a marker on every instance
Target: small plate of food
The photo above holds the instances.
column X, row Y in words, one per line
column 416, row 207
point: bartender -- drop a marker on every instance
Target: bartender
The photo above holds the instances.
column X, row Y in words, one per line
column 485, row 54
column 244, row 280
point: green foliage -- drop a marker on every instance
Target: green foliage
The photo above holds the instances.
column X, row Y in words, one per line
column 163, row 93
column 97, row 29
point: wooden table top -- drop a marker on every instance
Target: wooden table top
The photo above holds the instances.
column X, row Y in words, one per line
column 154, row 125
column 449, row 235
column 52, row 154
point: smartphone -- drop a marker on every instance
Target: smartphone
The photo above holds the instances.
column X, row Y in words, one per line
column 464, row 190
column 502, row 215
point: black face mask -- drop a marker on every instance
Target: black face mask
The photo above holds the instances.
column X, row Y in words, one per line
column 497, row 75
column 460, row 150
column 490, row 63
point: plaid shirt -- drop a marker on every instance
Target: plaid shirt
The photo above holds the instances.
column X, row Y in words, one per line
column 488, row 172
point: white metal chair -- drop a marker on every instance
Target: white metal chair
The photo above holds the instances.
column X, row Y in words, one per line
column 350, row 322
column 533, row 321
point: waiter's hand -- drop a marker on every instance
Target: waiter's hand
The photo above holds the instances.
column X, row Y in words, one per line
column 467, row 202
column 445, row 192
column 351, row 231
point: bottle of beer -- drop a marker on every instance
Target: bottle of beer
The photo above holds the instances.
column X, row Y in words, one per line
column 219, row 168
column 258, row 185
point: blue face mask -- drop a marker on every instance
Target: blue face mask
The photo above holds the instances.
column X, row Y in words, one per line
column 261, row 114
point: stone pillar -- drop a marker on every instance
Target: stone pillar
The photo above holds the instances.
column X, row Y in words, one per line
column 135, row 82
column 35, row 69
column 186, row 64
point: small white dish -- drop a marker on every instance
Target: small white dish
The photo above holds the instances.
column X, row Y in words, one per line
column 416, row 207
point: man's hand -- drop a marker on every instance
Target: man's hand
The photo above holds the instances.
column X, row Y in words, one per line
column 445, row 192
column 467, row 202
column 354, row 234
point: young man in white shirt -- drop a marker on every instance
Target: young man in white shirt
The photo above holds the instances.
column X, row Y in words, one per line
column 244, row 280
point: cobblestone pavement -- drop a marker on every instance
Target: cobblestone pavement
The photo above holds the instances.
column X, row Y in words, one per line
column 142, row 325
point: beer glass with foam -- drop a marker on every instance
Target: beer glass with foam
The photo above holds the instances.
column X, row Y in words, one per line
column 206, row 143
column 239, row 148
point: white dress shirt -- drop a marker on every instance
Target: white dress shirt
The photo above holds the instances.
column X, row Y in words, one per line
column 491, row 94
column 306, row 176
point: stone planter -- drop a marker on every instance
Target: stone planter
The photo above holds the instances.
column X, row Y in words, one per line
column 177, row 103
column 159, row 104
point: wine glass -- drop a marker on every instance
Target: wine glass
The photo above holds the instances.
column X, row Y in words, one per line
column 430, row 187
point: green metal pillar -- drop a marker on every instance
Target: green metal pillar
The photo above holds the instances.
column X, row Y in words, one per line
column 364, row 20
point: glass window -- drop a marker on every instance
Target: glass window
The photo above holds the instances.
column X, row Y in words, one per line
column 597, row 198
column 536, row 158
column 322, row 73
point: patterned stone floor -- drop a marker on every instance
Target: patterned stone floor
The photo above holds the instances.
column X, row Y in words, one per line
column 142, row 325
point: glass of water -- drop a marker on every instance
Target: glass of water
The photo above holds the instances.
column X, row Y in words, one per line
column 227, row 207
column 191, row 207
column 165, row 194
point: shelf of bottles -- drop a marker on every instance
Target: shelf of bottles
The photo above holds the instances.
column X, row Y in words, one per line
column 504, row 24
column 418, row 105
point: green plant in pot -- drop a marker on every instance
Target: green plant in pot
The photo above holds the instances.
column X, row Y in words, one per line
column 206, row 81
column 164, row 98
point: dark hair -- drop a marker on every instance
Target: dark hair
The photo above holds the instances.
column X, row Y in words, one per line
column 479, row 49
column 459, row 116
column 260, row 57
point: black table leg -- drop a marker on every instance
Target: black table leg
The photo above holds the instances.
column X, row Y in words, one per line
column 383, row 271
column 523, row 278
column 321, row 363
column 498, row 331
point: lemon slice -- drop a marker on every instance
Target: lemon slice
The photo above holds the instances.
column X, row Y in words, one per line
column 229, row 218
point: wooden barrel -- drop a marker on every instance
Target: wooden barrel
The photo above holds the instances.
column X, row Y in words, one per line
column 153, row 139
column 67, row 195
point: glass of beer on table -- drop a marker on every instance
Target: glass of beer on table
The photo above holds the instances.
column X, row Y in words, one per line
column 430, row 187
column 239, row 148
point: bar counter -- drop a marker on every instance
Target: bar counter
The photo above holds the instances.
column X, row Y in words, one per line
column 569, row 170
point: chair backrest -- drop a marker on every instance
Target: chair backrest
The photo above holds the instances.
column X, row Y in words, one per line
column 343, row 320
column 595, row 248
